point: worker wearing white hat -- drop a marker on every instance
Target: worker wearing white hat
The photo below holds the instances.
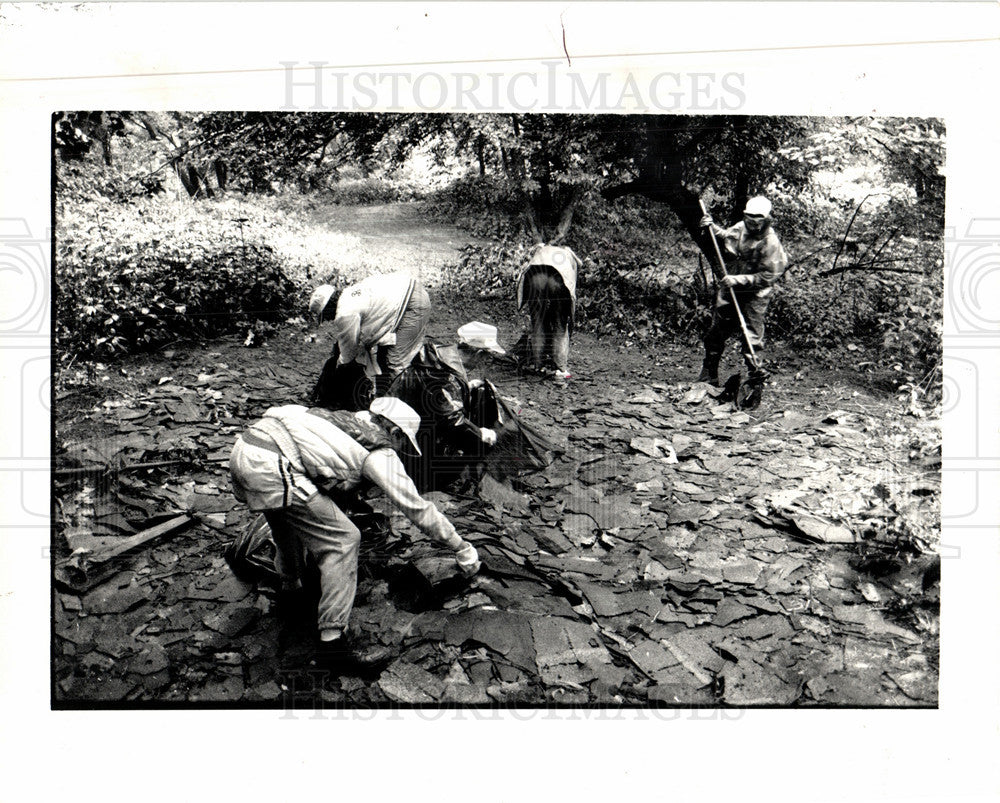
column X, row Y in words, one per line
column 279, row 466
column 755, row 261
column 379, row 322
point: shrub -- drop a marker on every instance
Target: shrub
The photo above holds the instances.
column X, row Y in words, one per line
column 369, row 190
column 131, row 278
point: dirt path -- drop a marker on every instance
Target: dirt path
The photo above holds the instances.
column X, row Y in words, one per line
column 386, row 237
column 664, row 557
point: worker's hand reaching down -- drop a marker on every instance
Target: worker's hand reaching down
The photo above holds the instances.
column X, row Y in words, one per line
column 468, row 559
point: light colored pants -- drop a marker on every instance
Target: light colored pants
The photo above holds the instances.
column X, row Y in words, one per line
column 324, row 530
column 410, row 332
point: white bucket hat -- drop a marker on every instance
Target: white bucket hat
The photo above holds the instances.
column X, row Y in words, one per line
column 319, row 299
column 480, row 335
column 758, row 206
column 401, row 414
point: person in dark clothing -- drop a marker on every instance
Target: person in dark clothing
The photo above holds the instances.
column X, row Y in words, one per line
column 453, row 431
column 547, row 287
column 755, row 261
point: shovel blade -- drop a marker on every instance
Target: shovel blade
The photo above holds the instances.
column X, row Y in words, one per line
column 730, row 390
column 750, row 393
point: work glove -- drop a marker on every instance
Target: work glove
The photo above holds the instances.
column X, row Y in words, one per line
column 706, row 221
column 468, row 559
column 737, row 280
column 488, row 436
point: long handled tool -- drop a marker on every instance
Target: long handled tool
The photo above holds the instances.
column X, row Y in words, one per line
column 749, row 395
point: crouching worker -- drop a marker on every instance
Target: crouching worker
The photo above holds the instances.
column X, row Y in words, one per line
column 547, row 287
column 287, row 463
column 379, row 323
column 456, row 415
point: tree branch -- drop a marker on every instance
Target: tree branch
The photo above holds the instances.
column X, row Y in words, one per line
column 868, row 266
column 566, row 216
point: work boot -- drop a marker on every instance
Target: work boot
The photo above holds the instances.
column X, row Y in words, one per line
column 709, row 371
column 347, row 656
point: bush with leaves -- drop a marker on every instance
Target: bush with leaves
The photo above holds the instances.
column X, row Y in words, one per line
column 133, row 277
column 369, row 190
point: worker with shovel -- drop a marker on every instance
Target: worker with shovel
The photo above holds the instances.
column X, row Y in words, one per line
column 756, row 261
column 294, row 462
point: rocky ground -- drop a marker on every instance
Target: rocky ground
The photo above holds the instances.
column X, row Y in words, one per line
column 675, row 551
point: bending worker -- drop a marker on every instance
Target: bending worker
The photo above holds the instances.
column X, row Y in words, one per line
column 547, row 286
column 755, row 260
column 379, row 322
column 279, row 466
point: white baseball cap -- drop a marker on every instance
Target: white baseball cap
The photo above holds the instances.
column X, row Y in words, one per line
column 319, row 299
column 758, row 206
column 401, row 414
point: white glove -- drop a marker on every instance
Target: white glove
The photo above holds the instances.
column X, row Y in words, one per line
column 488, row 436
column 736, row 280
column 468, row 559
column 706, row 221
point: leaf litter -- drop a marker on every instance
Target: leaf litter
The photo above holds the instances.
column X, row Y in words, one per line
column 672, row 554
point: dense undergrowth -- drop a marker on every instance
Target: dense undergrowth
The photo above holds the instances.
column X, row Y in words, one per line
column 132, row 277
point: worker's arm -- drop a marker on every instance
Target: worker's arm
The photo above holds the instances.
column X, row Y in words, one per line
column 728, row 239
column 347, row 330
column 384, row 468
column 460, row 432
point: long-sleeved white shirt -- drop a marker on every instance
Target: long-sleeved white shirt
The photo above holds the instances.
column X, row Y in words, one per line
column 266, row 477
column 561, row 259
column 369, row 311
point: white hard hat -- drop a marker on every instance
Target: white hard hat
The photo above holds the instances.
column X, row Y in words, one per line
column 758, row 206
column 401, row 414
column 319, row 299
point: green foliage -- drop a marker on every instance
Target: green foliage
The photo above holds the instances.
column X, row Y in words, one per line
column 488, row 206
column 369, row 190
column 78, row 181
column 131, row 278
column 635, row 282
column 76, row 133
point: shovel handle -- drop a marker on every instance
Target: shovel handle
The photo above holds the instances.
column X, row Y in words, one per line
column 732, row 294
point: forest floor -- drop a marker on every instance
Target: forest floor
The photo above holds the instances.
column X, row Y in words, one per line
column 675, row 552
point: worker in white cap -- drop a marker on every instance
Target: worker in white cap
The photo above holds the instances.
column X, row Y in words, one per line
column 755, row 261
column 293, row 462
column 379, row 322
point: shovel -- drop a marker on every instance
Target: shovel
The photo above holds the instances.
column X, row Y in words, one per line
column 748, row 395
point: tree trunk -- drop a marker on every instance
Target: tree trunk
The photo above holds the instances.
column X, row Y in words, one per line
column 531, row 222
column 481, row 154
column 102, row 135
column 566, row 216
column 664, row 185
column 742, row 193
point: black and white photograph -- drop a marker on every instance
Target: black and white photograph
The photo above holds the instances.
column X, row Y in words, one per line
column 497, row 409
column 509, row 401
